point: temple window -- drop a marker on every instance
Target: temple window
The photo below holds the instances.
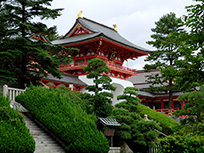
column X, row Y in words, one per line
column 143, row 103
column 177, row 105
column 166, row 105
column 157, row 105
column 88, row 53
column 79, row 61
column 117, row 65
column 87, row 60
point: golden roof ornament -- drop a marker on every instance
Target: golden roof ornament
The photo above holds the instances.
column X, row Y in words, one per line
column 115, row 27
column 79, row 14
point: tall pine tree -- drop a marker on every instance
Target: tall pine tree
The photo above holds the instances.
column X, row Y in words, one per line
column 191, row 67
column 20, row 57
column 166, row 41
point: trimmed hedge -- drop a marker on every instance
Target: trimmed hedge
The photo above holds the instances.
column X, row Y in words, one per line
column 165, row 121
column 60, row 112
column 14, row 135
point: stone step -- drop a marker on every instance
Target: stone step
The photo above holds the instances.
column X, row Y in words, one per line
column 44, row 143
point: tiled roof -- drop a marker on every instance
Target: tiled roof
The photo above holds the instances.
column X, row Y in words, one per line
column 97, row 30
column 108, row 122
column 146, row 94
column 66, row 78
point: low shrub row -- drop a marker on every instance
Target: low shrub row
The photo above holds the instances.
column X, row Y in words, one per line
column 14, row 135
column 59, row 110
column 165, row 121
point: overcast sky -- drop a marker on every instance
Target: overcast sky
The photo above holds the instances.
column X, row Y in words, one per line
column 134, row 18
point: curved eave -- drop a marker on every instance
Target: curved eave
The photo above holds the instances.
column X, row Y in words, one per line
column 126, row 47
column 100, row 36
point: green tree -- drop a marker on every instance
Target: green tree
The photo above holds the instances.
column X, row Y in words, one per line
column 195, row 106
column 135, row 131
column 191, row 68
column 21, row 58
column 100, row 101
column 130, row 99
column 166, row 40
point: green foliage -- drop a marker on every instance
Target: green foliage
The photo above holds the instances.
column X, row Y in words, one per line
column 166, row 39
column 134, row 130
column 4, row 102
column 100, row 101
column 14, row 135
column 130, row 99
column 60, row 111
column 194, row 108
column 184, row 144
column 191, row 67
column 20, row 57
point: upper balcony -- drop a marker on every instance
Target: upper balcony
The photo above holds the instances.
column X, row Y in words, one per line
column 117, row 70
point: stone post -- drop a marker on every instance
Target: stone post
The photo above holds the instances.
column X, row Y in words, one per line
column 5, row 90
column 71, row 86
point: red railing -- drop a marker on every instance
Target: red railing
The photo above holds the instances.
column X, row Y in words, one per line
column 109, row 65
column 71, row 65
column 169, row 112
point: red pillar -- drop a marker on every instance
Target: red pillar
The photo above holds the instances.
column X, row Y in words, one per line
column 162, row 104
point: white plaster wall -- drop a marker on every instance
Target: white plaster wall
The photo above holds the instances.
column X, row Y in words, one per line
column 118, row 83
column 120, row 86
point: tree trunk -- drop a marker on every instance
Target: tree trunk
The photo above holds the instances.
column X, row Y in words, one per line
column 24, row 54
column 170, row 94
column 170, row 99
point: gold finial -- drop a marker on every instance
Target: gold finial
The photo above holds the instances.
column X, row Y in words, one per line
column 115, row 27
column 79, row 14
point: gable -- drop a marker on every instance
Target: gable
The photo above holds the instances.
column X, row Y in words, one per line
column 78, row 30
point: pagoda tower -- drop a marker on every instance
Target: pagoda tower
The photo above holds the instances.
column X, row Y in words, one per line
column 95, row 40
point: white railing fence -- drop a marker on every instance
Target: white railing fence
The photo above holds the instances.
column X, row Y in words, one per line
column 13, row 92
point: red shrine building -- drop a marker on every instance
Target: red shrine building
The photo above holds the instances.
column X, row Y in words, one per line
column 158, row 100
column 95, row 40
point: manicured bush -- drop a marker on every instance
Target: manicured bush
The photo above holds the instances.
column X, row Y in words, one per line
column 14, row 135
column 165, row 121
column 60, row 111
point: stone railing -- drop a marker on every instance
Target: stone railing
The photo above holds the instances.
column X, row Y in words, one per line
column 12, row 93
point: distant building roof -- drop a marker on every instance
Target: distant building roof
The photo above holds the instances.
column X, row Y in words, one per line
column 66, row 78
column 108, row 122
column 96, row 30
column 139, row 81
